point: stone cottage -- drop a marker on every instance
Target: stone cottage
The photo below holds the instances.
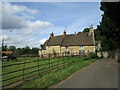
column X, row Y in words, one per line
column 70, row 44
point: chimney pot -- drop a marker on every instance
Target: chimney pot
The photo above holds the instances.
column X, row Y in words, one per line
column 51, row 35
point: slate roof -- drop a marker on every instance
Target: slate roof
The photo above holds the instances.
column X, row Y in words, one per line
column 78, row 39
column 71, row 40
column 55, row 40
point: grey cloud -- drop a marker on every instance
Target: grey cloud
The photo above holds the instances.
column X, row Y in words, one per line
column 12, row 22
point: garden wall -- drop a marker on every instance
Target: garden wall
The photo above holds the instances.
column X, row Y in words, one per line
column 110, row 54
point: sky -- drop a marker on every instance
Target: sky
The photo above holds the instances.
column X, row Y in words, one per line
column 30, row 23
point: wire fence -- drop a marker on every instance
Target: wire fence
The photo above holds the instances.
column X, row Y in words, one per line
column 27, row 69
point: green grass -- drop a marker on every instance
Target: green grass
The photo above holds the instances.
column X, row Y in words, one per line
column 54, row 77
column 27, row 65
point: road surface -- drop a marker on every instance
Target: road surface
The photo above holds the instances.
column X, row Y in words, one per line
column 101, row 74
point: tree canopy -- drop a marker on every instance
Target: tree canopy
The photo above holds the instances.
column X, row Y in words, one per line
column 21, row 51
column 86, row 30
column 109, row 28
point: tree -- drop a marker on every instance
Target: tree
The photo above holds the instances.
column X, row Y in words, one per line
column 18, row 51
column 86, row 30
column 25, row 50
column 4, row 48
column 34, row 51
column 114, row 8
column 97, row 34
column 109, row 29
column 11, row 48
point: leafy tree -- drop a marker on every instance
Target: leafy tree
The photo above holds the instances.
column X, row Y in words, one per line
column 109, row 29
column 4, row 48
column 97, row 34
column 34, row 51
column 86, row 30
column 18, row 51
column 25, row 50
column 111, row 9
column 11, row 48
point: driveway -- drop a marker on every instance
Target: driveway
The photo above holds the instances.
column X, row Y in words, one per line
column 101, row 74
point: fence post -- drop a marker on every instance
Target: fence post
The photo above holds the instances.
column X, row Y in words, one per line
column 38, row 66
column 24, row 68
column 68, row 61
column 49, row 62
column 64, row 62
column 58, row 63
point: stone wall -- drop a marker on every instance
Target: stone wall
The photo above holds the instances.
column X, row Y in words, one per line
column 51, row 49
column 71, row 49
column 110, row 54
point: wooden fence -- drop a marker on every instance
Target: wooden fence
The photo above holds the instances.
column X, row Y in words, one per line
column 40, row 67
column 62, row 54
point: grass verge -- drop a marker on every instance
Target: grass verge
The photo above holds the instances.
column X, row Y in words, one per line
column 54, row 77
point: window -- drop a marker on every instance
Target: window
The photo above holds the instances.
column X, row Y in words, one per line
column 66, row 47
column 81, row 52
column 67, row 52
column 81, row 47
column 48, row 46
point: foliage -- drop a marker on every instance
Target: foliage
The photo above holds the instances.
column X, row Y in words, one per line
column 92, row 55
column 25, row 50
column 21, row 51
column 97, row 34
column 11, row 48
column 113, row 8
column 4, row 48
column 86, row 30
column 108, row 31
column 18, row 51
column 34, row 51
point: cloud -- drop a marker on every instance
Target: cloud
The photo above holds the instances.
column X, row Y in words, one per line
column 36, row 43
column 36, row 25
column 17, row 17
column 42, row 41
column 5, row 37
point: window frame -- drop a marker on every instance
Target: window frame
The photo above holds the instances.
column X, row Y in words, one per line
column 81, row 47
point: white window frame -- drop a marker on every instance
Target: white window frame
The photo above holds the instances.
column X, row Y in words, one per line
column 81, row 47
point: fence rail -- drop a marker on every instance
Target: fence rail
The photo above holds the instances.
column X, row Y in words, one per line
column 41, row 67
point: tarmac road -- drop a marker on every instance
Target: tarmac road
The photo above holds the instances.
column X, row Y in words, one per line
column 101, row 74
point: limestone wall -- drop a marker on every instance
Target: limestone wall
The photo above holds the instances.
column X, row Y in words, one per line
column 71, row 49
column 49, row 49
column 89, row 49
column 110, row 54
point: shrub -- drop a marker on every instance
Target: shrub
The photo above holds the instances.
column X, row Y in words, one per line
column 92, row 55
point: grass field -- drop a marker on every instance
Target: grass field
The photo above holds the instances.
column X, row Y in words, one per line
column 54, row 62
column 54, row 77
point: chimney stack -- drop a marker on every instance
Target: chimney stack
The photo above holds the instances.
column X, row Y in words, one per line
column 51, row 35
column 91, row 31
column 64, row 33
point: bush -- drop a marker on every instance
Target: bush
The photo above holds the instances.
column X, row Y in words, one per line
column 92, row 55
